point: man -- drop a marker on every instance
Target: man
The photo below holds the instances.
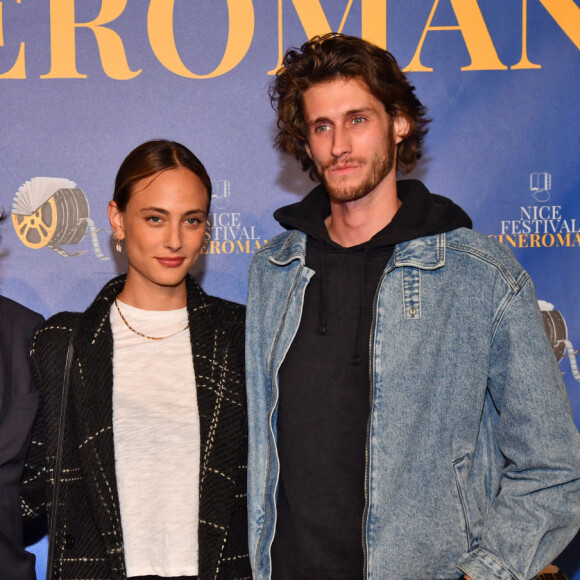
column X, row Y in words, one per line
column 402, row 391
column 18, row 404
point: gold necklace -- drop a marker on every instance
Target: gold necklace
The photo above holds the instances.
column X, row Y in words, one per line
column 144, row 335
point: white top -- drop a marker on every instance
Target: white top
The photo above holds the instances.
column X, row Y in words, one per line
column 157, row 442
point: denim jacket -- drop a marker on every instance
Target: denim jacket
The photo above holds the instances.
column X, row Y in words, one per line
column 473, row 458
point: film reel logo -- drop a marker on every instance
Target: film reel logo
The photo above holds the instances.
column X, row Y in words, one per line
column 53, row 212
column 558, row 335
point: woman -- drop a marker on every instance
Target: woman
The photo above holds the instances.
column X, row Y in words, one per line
column 152, row 482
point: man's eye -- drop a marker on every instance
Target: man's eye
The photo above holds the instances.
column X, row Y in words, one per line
column 321, row 128
column 154, row 219
column 358, row 120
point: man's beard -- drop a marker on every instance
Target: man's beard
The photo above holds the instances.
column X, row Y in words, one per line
column 380, row 166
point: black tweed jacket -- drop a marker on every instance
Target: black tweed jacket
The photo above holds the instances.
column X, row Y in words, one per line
column 89, row 543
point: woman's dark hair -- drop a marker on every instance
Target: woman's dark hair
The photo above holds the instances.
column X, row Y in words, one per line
column 333, row 56
column 150, row 158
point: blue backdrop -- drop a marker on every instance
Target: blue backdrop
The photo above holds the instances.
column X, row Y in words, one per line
column 83, row 82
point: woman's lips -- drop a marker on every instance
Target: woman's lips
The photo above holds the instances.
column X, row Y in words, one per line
column 171, row 262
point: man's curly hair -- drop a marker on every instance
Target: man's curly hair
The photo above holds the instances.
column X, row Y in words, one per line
column 332, row 56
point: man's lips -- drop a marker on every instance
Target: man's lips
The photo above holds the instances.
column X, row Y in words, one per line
column 347, row 166
column 171, row 262
column 339, row 169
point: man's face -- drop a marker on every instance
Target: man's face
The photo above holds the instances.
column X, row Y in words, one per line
column 351, row 138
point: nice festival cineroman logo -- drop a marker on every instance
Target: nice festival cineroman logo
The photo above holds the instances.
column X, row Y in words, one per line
column 540, row 224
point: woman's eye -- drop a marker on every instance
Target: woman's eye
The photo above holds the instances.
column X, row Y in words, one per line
column 193, row 221
column 321, row 128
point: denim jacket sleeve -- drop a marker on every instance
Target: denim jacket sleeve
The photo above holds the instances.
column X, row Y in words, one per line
column 537, row 509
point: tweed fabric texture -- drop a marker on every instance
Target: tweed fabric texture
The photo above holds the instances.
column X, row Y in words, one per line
column 89, row 543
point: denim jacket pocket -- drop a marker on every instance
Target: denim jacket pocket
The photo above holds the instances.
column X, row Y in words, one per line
column 471, row 514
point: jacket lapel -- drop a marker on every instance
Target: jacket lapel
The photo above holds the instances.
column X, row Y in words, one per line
column 92, row 414
column 222, row 416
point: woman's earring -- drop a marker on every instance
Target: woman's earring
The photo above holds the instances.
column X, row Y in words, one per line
column 118, row 244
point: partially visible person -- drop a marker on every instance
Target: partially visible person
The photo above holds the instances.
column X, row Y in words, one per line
column 18, row 406
column 153, row 474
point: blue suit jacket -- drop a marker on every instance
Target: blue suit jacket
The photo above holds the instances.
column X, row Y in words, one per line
column 18, row 405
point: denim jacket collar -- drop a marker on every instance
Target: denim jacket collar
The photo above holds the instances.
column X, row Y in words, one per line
column 424, row 253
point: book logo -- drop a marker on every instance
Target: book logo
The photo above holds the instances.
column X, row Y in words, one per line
column 540, row 185
column 221, row 193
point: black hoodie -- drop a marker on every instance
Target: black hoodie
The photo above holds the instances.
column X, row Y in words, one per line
column 324, row 385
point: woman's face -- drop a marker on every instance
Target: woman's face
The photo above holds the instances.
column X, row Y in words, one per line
column 163, row 226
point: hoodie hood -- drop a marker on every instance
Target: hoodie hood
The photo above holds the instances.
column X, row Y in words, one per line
column 421, row 214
